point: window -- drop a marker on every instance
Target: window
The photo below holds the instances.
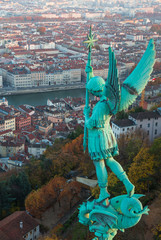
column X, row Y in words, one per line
column 156, row 124
column 148, row 132
column 155, row 131
column 148, row 124
column 140, row 125
column 123, row 129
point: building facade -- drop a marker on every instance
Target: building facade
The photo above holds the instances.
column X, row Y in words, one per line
column 23, row 121
column 9, row 148
column 123, row 126
column 36, row 149
column 149, row 122
column 37, row 77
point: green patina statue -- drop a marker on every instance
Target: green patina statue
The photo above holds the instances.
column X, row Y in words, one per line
column 102, row 145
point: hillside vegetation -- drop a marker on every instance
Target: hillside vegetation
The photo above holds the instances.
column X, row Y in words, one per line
column 42, row 182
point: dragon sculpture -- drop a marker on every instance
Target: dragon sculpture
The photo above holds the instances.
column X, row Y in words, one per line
column 105, row 219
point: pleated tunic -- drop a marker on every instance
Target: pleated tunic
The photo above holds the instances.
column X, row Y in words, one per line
column 101, row 140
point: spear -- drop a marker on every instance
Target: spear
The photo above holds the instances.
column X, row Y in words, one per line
column 89, row 72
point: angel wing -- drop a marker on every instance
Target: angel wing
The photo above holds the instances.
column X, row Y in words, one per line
column 112, row 85
column 103, row 217
column 137, row 80
column 133, row 85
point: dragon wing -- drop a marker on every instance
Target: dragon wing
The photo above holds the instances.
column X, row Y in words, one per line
column 103, row 218
column 112, row 85
column 137, row 80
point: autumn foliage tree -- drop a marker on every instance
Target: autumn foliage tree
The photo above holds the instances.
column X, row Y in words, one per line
column 75, row 148
column 41, row 30
column 57, row 190
column 70, row 194
column 156, row 28
column 157, row 67
column 58, row 159
column 40, row 200
column 141, row 171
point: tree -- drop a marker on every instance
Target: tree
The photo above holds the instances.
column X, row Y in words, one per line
column 141, row 171
column 130, row 146
column 156, row 28
column 38, row 201
column 137, row 109
column 53, row 237
column 41, row 30
column 78, row 131
column 157, row 66
column 155, row 150
column 5, row 200
column 19, row 187
column 122, row 115
column 70, row 193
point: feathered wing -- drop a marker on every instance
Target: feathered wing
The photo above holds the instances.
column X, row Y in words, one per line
column 112, row 86
column 137, row 80
column 104, row 218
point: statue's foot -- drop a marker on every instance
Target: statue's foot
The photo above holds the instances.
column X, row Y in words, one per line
column 130, row 188
column 103, row 195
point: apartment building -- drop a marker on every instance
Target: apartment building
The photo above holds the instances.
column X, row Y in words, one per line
column 123, row 126
column 9, row 122
column 149, row 121
column 27, row 77
column 36, row 149
column 9, row 148
column 23, row 121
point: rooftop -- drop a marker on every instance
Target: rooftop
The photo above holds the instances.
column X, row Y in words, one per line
column 124, row 123
column 10, row 226
column 145, row 115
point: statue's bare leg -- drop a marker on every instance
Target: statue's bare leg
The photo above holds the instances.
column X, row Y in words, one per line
column 119, row 172
column 102, row 179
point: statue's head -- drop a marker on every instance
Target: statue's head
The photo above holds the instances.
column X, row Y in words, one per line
column 96, row 86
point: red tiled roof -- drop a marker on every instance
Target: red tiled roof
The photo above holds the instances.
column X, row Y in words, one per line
column 31, row 136
column 3, row 236
column 10, row 226
column 5, row 131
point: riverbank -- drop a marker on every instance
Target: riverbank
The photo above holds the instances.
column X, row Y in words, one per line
column 40, row 98
column 8, row 92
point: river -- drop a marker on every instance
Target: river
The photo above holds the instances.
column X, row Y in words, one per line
column 36, row 99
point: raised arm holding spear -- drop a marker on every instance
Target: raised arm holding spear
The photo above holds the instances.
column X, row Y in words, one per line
column 89, row 71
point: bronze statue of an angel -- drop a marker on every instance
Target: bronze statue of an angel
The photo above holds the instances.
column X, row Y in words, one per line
column 102, row 145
